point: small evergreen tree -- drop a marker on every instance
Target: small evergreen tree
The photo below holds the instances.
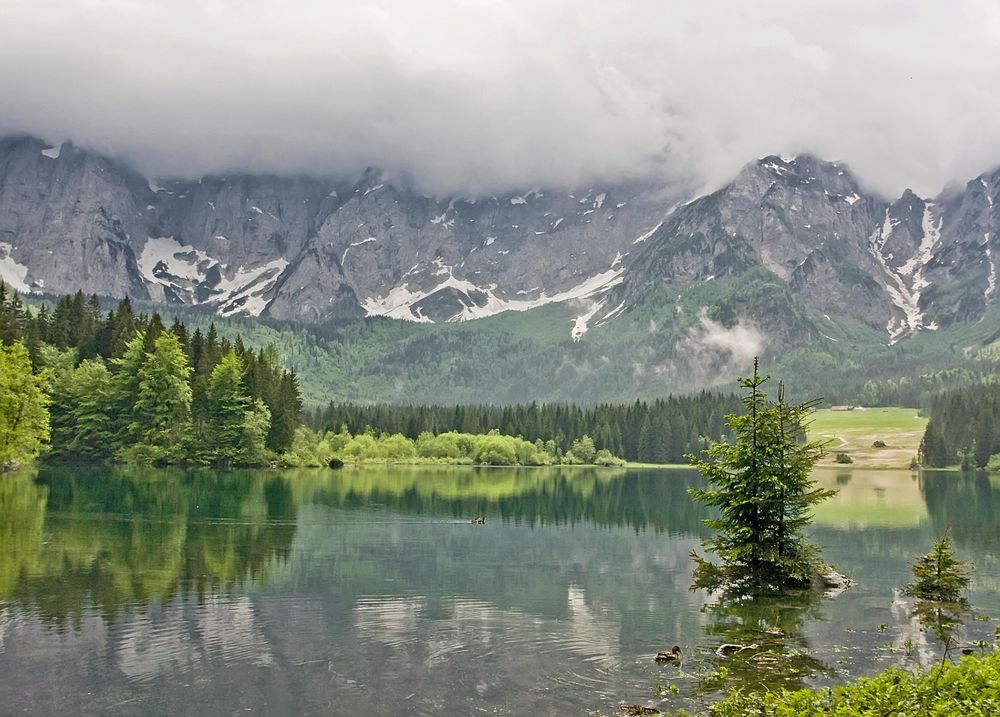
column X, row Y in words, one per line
column 760, row 483
column 161, row 416
column 939, row 575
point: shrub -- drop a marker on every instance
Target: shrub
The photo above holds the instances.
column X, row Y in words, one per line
column 361, row 446
column 605, row 457
column 965, row 688
column 583, row 448
column 495, row 450
column 843, row 458
column 395, row 447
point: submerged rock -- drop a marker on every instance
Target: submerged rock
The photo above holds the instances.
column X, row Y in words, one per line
column 728, row 649
column 835, row 583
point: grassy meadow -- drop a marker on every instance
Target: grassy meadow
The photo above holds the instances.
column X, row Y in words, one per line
column 853, row 432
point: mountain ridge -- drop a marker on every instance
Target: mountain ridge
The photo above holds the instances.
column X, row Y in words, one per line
column 311, row 251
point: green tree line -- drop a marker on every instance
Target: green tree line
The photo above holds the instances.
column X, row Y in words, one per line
column 490, row 448
column 123, row 387
column 964, row 428
column 660, row 431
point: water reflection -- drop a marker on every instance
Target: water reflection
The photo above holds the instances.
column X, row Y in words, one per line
column 115, row 538
column 22, row 514
column 368, row 590
column 535, row 496
column 763, row 642
column 968, row 505
column 875, row 498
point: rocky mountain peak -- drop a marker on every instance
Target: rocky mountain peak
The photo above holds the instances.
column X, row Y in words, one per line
column 310, row 249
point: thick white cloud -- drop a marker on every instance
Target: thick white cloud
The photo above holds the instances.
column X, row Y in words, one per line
column 479, row 95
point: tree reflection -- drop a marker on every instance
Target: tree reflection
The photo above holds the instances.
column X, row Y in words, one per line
column 117, row 538
column 545, row 496
column 760, row 643
column 968, row 505
column 943, row 620
column 22, row 514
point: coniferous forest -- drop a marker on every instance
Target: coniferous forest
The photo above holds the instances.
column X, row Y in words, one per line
column 659, row 431
column 123, row 387
column 964, row 428
column 120, row 386
column 84, row 384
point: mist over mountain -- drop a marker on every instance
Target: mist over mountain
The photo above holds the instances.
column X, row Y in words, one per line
column 783, row 251
column 494, row 97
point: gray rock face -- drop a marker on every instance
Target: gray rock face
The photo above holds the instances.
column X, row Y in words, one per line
column 71, row 218
column 903, row 266
column 307, row 249
column 311, row 250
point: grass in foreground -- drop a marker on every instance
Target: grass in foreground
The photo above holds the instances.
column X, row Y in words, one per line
column 970, row 687
column 854, row 432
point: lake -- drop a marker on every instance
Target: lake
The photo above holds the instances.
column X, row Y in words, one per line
column 368, row 591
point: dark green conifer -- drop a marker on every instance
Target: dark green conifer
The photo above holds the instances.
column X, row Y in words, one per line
column 761, row 486
column 939, row 575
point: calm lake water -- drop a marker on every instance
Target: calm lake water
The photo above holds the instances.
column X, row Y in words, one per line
column 367, row 591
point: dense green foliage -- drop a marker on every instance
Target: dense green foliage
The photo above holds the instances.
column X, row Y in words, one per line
column 489, row 448
column 761, row 486
column 123, row 387
column 939, row 575
column 964, row 427
column 24, row 421
column 970, row 687
column 660, row 431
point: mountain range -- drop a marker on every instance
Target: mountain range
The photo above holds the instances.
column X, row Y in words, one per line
column 792, row 253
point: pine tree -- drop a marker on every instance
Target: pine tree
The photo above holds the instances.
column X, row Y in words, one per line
column 227, row 403
column 161, row 416
column 82, row 405
column 939, row 575
column 760, row 483
column 123, row 327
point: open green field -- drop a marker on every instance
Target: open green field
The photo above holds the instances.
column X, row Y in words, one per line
column 853, row 432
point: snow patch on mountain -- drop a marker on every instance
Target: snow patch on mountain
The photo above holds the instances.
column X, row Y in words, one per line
column 353, row 244
column 245, row 292
column 13, row 274
column 51, row 152
column 581, row 321
column 648, row 234
column 906, row 283
column 611, row 314
column 180, row 273
column 399, row 302
column 991, row 284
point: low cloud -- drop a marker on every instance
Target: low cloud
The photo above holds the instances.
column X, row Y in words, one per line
column 710, row 352
column 485, row 95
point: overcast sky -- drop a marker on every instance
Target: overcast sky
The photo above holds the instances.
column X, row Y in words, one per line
column 483, row 95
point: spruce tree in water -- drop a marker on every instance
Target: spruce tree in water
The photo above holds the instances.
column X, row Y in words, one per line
column 761, row 486
column 940, row 576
